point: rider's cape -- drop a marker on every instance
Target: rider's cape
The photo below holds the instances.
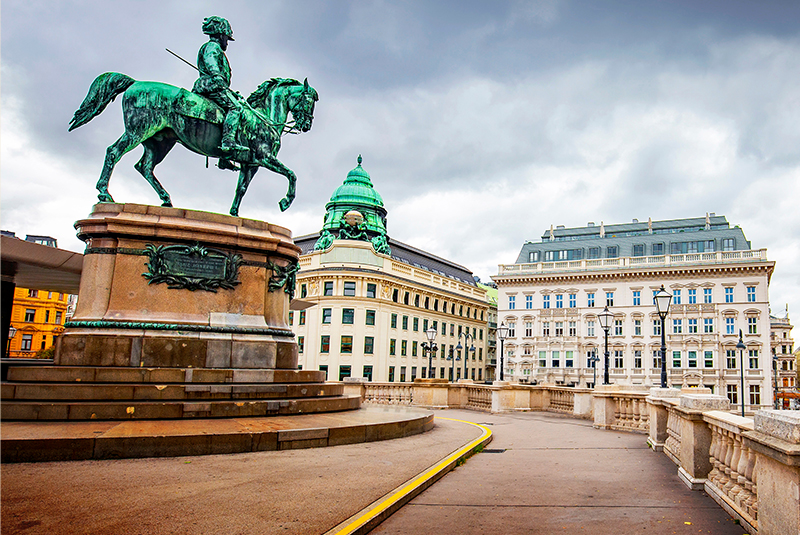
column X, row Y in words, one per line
column 199, row 107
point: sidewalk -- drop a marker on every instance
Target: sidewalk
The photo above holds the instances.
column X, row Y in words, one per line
column 560, row 475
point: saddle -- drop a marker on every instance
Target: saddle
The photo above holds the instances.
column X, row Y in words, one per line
column 197, row 106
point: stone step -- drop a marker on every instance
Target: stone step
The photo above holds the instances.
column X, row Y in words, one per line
column 103, row 374
column 171, row 409
column 142, row 392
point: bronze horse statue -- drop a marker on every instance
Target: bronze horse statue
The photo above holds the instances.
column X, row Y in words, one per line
column 158, row 115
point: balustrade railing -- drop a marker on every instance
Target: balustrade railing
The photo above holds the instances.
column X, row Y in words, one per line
column 672, row 445
column 631, row 413
column 389, row 393
column 479, row 398
column 562, row 400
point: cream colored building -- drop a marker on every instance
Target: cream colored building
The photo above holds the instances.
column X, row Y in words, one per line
column 372, row 298
column 783, row 352
column 551, row 297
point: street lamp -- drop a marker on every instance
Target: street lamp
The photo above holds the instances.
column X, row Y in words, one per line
column 775, row 363
column 502, row 334
column 741, row 347
column 663, row 300
column 431, row 348
column 593, row 360
column 453, row 367
column 468, row 339
column 12, row 332
column 605, row 322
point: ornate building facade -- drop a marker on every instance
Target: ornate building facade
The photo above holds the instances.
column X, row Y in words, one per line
column 551, row 297
column 372, row 299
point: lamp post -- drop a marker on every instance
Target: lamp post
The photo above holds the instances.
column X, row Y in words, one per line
column 431, row 348
column 593, row 360
column 775, row 363
column 663, row 300
column 468, row 346
column 741, row 347
column 453, row 366
column 502, row 334
column 12, row 332
column 605, row 322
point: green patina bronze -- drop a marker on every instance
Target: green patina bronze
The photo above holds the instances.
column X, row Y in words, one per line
column 192, row 267
column 189, row 327
column 355, row 212
column 283, row 277
column 211, row 120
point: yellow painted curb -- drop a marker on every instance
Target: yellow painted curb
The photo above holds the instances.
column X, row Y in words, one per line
column 381, row 509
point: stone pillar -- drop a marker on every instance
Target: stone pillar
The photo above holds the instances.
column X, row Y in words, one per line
column 696, row 437
column 659, row 415
column 431, row 393
column 582, row 406
column 603, row 406
column 776, row 441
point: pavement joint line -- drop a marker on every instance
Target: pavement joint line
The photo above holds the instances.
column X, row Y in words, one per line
column 378, row 511
column 557, row 506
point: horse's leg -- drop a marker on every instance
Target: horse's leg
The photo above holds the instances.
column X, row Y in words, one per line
column 114, row 153
column 154, row 153
column 245, row 176
column 273, row 164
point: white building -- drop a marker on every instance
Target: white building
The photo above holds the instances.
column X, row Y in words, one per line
column 551, row 297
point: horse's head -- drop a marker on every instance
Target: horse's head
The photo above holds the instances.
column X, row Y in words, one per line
column 301, row 104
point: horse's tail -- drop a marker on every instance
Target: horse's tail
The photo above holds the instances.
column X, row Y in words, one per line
column 104, row 89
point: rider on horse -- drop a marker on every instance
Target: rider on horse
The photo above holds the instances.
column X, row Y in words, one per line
column 214, row 83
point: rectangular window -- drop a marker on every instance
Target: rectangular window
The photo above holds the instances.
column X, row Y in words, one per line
column 677, row 326
column 751, row 294
column 559, row 301
column 326, row 315
column 657, row 359
column 676, row 297
column 573, row 328
column 752, row 325
column 444, row 328
column 658, row 249
column 58, row 317
column 612, row 251
column 753, row 358
column 637, row 327
column 708, row 359
column 657, row 327
column 729, row 326
column 706, row 295
column 372, row 290
column 692, row 296
column 392, row 346
column 328, row 288
column 47, row 316
column 403, row 348
column 367, row 373
column 300, row 343
column 729, row 294
column 543, row 359
column 350, row 289
column 528, row 328
column 617, row 327
column 369, row 345
column 708, row 325
column 638, row 249
column 325, row 344
column 27, row 342
column 30, row 315
column 637, row 359
column 347, row 344
column 402, row 374
column 302, row 318
column 692, row 326
column 637, row 298
column 324, row 368
column 619, row 359
column 594, row 252
column 692, row 359
column 555, row 360
column 33, row 293
column 303, row 291
column 528, row 302
column 393, row 321
column 545, row 328
column 545, row 301
column 676, row 359
column 755, row 395
column 405, row 323
column 391, row 374
column 610, row 299
column 590, row 299
column 590, row 328
column 730, row 359
column 344, row 371
column 414, row 348
column 425, row 325
column 512, row 329
column 512, row 302
column 413, row 373
column 569, row 359
column 415, row 323
column 370, row 317
column 573, row 300
column 559, row 328
column 733, row 393
column 291, row 318
column 348, row 316
column 453, row 329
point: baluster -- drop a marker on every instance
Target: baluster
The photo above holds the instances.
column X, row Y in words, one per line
column 733, row 487
column 724, row 452
column 752, row 501
column 713, row 453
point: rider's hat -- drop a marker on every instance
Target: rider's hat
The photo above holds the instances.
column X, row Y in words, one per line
column 217, row 26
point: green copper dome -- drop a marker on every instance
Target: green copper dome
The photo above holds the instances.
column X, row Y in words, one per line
column 357, row 189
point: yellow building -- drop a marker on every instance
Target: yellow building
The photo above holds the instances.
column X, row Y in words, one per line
column 38, row 317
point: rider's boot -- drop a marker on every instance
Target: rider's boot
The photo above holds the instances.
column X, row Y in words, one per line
column 229, row 128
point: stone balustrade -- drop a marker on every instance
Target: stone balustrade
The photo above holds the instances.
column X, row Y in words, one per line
column 621, row 408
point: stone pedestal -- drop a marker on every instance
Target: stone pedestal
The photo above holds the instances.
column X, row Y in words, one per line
column 167, row 287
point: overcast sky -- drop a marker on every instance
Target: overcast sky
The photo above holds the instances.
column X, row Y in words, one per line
column 481, row 123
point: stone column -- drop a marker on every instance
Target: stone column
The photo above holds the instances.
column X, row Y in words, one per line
column 658, row 416
column 696, row 437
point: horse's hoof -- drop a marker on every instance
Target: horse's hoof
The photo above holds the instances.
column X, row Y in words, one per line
column 234, row 212
column 105, row 197
column 284, row 204
column 168, row 204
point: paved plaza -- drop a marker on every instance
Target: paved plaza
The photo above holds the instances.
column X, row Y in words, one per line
column 555, row 475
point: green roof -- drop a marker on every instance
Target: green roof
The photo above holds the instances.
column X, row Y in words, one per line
column 357, row 189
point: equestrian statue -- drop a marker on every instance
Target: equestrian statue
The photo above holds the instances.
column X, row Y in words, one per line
column 212, row 120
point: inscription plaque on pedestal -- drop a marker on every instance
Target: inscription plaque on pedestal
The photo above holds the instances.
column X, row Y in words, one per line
column 192, row 267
